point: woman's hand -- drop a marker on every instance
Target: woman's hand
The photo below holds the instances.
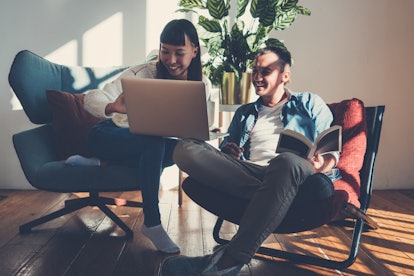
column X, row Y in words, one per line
column 117, row 106
column 232, row 149
column 323, row 163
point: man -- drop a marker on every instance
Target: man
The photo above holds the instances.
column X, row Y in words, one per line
column 248, row 167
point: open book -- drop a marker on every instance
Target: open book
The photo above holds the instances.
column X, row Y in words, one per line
column 327, row 141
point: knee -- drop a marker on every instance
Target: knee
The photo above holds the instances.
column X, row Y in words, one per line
column 183, row 152
column 286, row 160
column 293, row 164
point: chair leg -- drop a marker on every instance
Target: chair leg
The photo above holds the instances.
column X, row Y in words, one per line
column 93, row 199
column 181, row 178
column 128, row 232
column 305, row 259
column 73, row 205
column 216, row 232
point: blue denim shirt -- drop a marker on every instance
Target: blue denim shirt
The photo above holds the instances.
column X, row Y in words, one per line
column 304, row 112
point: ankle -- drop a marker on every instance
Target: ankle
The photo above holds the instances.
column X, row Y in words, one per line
column 159, row 237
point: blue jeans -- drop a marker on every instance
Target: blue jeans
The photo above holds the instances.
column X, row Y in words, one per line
column 148, row 154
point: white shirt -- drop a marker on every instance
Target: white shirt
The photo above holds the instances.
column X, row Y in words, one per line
column 265, row 134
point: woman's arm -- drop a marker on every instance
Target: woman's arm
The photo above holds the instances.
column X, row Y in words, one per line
column 96, row 101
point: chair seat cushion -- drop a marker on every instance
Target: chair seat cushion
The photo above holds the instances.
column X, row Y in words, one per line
column 38, row 160
column 58, row 177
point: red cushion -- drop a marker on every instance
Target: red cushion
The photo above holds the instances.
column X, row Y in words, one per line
column 71, row 123
column 351, row 115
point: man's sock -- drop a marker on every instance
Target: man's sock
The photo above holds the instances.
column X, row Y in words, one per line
column 160, row 238
column 78, row 160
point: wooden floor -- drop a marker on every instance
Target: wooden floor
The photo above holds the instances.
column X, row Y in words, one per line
column 87, row 243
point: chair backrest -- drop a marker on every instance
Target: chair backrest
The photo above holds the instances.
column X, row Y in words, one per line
column 374, row 115
column 31, row 75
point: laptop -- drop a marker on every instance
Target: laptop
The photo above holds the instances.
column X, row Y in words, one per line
column 168, row 108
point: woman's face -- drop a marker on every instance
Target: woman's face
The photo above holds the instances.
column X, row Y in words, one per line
column 177, row 59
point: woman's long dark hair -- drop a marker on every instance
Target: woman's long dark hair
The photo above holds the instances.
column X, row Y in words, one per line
column 174, row 33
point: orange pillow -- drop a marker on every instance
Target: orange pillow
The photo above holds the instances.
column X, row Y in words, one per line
column 351, row 115
column 71, row 123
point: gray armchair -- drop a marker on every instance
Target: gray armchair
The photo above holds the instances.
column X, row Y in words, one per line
column 30, row 77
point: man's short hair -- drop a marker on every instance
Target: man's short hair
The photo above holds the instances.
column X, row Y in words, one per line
column 282, row 52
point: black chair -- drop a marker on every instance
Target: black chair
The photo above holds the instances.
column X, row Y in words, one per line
column 328, row 205
column 30, row 76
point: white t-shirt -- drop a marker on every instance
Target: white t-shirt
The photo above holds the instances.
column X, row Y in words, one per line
column 265, row 134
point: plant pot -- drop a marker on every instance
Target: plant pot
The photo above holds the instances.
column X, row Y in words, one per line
column 233, row 91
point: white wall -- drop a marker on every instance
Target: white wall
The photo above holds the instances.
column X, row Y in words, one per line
column 362, row 49
column 344, row 49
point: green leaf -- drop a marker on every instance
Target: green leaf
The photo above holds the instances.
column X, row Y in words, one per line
column 241, row 7
column 217, row 8
column 260, row 37
column 285, row 19
column 190, row 4
column 214, row 44
column 268, row 15
column 212, row 26
column 290, row 4
column 186, row 10
column 256, row 8
column 303, row 11
column 275, row 42
column 279, row 3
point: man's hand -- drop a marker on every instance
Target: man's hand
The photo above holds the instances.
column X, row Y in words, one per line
column 323, row 163
column 232, row 149
column 117, row 106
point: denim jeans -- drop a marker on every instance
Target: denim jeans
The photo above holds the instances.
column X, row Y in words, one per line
column 148, row 154
column 271, row 189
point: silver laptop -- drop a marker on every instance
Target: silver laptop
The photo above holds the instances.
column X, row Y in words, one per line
column 169, row 108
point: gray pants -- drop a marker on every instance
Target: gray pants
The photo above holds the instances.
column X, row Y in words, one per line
column 271, row 189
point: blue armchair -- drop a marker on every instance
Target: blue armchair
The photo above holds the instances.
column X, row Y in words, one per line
column 30, row 77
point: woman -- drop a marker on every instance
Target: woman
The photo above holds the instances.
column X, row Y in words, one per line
column 110, row 140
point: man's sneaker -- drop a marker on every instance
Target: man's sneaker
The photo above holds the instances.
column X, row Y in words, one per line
column 192, row 266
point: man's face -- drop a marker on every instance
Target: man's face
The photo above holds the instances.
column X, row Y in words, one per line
column 177, row 59
column 266, row 74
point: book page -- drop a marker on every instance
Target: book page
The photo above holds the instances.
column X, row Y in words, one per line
column 330, row 141
column 292, row 144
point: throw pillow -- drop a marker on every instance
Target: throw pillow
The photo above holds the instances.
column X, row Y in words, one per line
column 351, row 115
column 71, row 123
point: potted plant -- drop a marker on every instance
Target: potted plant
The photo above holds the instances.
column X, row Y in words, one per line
column 233, row 47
